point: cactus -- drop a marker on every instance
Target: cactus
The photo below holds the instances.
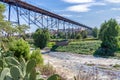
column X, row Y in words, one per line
column 15, row 73
column 20, row 70
column 32, row 74
column 4, row 72
column 23, row 66
column 7, row 78
column 12, row 61
column 24, row 71
column 1, row 64
column 30, row 65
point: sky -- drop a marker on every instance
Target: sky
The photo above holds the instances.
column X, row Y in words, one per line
column 89, row 12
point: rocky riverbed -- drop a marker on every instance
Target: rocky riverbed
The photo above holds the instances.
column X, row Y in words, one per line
column 70, row 65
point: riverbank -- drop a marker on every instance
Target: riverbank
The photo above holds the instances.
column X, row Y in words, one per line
column 70, row 65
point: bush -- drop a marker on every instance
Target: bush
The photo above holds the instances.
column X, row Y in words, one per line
column 37, row 56
column 84, row 34
column 78, row 36
column 95, row 32
column 20, row 48
column 50, row 44
column 109, row 34
column 41, row 38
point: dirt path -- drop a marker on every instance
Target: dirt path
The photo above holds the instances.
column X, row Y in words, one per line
column 70, row 64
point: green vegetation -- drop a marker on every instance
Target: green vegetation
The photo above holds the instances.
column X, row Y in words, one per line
column 12, row 69
column 110, row 37
column 78, row 36
column 20, row 48
column 50, row 44
column 95, row 32
column 84, row 34
column 16, row 61
column 37, row 56
column 83, row 47
column 41, row 38
column 21, row 29
column 116, row 66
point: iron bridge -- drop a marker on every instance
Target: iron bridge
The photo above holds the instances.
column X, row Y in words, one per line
column 41, row 17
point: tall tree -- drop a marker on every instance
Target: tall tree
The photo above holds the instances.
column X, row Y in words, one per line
column 84, row 34
column 2, row 22
column 110, row 36
column 23, row 28
column 41, row 37
column 95, row 32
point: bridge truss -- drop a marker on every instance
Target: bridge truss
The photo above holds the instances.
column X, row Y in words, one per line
column 40, row 17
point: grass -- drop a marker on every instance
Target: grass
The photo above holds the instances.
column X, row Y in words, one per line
column 50, row 44
column 48, row 70
column 116, row 66
column 80, row 47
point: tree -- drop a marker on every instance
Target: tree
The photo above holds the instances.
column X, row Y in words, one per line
column 78, row 36
column 2, row 22
column 103, row 27
column 95, row 32
column 41, row 37
column 110, row 36
column 5, row 26
column 2, row 10
column 61, row 35
column 22, row 29
column 84, row 34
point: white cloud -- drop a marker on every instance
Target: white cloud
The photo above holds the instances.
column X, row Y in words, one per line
column 115, row 9
column 79, row 8
column 78, row 1
column 97, row 4
column 113, row 1
column 83, row 7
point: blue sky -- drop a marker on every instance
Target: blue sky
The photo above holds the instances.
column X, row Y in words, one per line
column 88, row 12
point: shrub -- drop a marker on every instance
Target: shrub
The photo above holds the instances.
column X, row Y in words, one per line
column 47, row 70
column 20, row 48
column 95, row 32
column 41, row 38
column 109, row 34
column 78, row 36
column 50, row 44
column 37, row 56
column 84, row 34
